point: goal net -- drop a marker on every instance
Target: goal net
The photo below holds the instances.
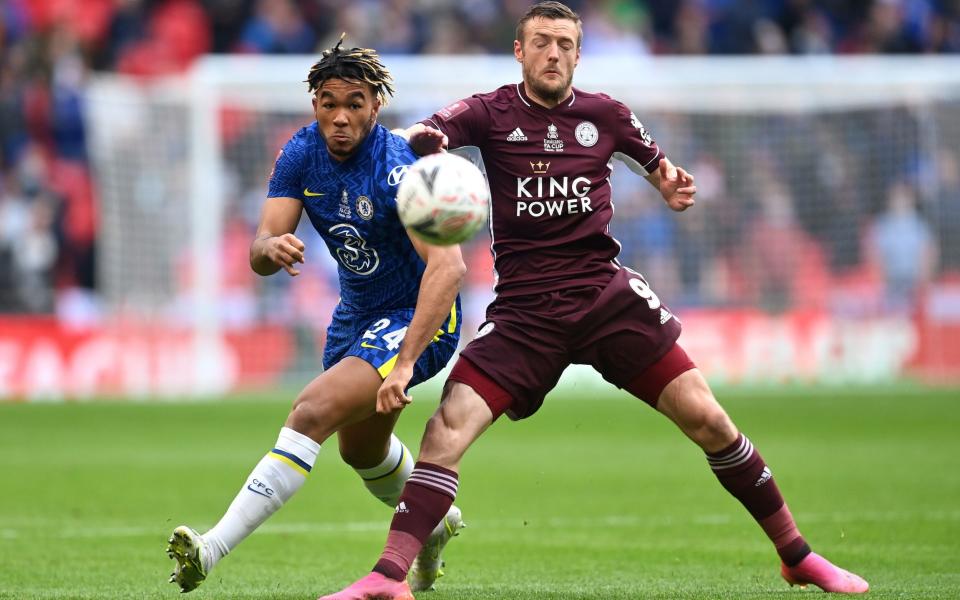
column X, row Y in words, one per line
column 825, row 244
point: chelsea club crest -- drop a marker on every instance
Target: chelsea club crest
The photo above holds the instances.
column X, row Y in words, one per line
column 364, row 208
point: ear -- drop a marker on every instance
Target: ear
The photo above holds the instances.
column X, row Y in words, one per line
column 313, row 101
column 518, row 50
column 376, row 107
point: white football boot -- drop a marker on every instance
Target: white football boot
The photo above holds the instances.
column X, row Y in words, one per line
column 187, row 548
column 427, row 566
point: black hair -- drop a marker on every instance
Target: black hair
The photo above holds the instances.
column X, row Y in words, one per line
column 357, row 64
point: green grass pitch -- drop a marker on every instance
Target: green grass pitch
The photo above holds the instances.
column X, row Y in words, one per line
column 596, row 496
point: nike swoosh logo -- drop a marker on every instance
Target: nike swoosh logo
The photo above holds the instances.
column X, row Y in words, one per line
column 366, row 345
column 255, row 491
column 307, row 192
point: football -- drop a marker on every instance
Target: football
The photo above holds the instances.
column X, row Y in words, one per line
column 443, row 199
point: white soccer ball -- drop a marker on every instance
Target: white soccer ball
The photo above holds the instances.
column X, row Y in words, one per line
column 443, row 199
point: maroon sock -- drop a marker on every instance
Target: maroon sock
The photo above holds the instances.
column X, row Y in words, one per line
column 742, row 471
column 424, row 502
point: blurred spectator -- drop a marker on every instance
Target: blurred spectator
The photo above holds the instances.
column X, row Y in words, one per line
column 277, row 27
column 691, row 26
column 734, row 26
column 227, row 20
column 449, row 35
column 782, row 266
column 177, row 33
column 886, row 29
column 806, row 27
column 615, row 27
column 34, row 256
column 128, row 25
column 28, row 242
column 400, row 28
column 703, row 266
column 948, row 200
column 65, row 108
column 900, row 245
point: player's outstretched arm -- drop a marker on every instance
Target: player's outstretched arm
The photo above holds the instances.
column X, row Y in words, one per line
column 423, row 140
column 275, row 247
column 439, row 287
column 675, row 185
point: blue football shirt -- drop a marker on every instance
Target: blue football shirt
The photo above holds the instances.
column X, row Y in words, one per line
column 352, row 204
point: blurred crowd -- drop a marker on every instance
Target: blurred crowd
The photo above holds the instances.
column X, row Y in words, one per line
column 48, row 200
column 857, row 215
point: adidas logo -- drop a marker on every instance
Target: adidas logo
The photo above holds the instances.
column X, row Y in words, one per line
column 665, row 315
column 764, row 477
column 516, row 136
column 401, row 508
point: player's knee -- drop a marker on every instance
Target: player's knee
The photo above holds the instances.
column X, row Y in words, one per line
column 715, row 431
column 313, row 417
column 438, row 430
column 362, row 456
column 441, row 442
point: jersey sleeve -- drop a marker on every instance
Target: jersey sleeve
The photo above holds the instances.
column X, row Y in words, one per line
column 465, row 122
column 635, row 146
column 286, row 177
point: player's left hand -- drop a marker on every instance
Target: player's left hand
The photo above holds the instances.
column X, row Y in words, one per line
column 426, row 140
column 676, row 186
column 391, row 396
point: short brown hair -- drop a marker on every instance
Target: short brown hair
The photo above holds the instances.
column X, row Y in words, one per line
column 550, row 10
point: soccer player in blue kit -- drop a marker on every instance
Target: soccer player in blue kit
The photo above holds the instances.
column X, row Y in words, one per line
column 397, row 323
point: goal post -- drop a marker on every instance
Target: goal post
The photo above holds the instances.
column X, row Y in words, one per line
column 778, row 273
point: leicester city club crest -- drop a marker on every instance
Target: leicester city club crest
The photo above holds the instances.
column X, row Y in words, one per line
column 587, row 134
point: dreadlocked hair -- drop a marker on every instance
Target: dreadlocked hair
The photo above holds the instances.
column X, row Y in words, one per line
column 357, row 64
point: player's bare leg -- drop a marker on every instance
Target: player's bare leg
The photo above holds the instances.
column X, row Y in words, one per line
column 381, row 460
column 688, row 402
column 344, row 394
column 429, row 493
column 339, row 397
column 365, row 443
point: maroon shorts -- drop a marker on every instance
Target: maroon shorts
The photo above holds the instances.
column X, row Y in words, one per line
column 621, row 330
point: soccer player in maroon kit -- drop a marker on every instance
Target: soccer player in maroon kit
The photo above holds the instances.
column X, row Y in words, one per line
column 563, row 298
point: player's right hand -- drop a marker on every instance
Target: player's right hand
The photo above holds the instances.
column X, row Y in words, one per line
column 392, row 397
column 285, row 251
column 425, row 140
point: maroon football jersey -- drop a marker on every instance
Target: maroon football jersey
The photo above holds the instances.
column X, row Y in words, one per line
column 549, row 179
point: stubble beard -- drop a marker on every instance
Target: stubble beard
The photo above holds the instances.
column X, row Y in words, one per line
column 552, row 94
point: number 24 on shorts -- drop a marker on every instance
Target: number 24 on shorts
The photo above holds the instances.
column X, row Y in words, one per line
column 393, row 339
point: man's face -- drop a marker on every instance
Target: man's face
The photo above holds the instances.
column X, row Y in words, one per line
column 346, row 111
column 549, row 54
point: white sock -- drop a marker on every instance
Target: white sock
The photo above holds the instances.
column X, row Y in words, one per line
column 385, row 481
column 273, row 481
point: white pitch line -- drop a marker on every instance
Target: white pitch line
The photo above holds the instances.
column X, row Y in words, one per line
column 488, row 525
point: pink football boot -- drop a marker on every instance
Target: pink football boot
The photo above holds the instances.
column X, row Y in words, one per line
column 825, row 575
column 374, row 587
